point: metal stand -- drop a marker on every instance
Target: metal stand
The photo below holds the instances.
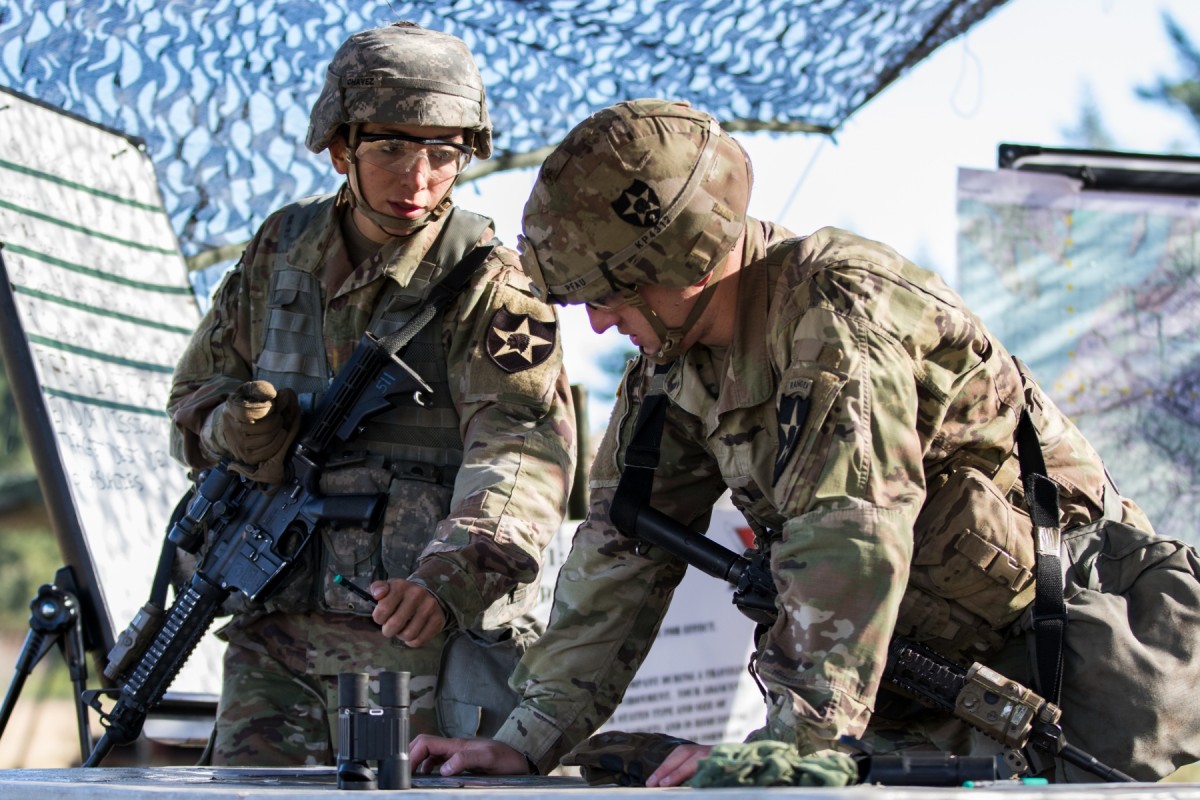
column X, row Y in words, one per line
column 54, row 619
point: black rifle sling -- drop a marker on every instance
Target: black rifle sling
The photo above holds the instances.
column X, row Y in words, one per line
column 1049, row 608
column 166, row 556
column 641, row 457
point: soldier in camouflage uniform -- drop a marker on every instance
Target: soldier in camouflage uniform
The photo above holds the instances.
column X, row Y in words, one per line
column 860, row 415
column 477, row 482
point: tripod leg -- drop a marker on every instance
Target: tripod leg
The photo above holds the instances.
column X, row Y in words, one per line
column 36, row 645
column 76, row 658
column 54, row 619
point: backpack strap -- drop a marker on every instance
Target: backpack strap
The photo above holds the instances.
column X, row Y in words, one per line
column 1049, row 606
column 641, row 456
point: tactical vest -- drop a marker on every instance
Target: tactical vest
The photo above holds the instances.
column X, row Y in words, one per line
column 410, row 452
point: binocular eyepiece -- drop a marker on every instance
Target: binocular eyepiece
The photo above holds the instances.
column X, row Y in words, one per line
column 376, row 736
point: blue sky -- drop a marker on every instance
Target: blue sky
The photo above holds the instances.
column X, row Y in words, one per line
column 1020, row 76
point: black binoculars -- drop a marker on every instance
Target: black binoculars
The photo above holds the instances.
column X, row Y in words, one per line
column 376, row 736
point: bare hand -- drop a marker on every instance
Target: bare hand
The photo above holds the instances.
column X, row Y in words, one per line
column 451, row 756
column 679, row 766
column 407, row 611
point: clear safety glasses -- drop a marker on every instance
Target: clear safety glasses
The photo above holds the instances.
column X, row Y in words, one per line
column 397, row 152
column 612, row 302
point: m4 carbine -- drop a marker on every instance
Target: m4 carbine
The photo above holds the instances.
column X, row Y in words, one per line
column 254, row 534
column 1002, row 709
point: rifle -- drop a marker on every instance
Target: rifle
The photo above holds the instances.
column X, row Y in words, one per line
column 255, row 534
column 1002, row 709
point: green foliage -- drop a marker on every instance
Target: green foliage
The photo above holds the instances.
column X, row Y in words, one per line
column 14, row 455
column 1182, row 94
column 28, row 558
column 1089, row 132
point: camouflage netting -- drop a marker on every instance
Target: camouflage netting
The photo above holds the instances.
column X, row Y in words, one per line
column 220, row 90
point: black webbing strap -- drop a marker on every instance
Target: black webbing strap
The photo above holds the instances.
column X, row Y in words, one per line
column 1049, row 609
column 641, row 457
column 166, row 557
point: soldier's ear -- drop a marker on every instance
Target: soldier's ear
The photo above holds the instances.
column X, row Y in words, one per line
column 337, row 156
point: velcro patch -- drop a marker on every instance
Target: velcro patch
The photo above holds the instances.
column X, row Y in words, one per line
column 516, row 342
column 793, row 413
column 638, row 205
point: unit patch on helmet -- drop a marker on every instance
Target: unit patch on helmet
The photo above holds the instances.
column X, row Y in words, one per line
column 793, row 413
column 518, row 341
column 638, row 205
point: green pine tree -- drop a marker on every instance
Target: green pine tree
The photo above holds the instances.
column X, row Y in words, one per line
column 1183, row 93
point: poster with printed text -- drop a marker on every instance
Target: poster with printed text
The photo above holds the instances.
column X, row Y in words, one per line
column 694, row 683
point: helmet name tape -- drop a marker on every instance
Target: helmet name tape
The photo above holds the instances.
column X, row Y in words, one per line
column 412, row 84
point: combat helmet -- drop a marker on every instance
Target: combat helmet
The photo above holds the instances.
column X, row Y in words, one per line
column 401, row 74
column 643, row 192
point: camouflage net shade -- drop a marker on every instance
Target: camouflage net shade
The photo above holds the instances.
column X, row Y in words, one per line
column 220, row 90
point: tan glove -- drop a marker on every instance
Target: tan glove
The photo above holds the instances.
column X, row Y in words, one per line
column 255, row 426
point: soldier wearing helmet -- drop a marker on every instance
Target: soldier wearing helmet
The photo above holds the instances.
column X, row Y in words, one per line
column 860, row 416
column 477, row 481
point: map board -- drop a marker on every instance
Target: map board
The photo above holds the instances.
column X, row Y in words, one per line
column 96, row 310
column 1099, row 292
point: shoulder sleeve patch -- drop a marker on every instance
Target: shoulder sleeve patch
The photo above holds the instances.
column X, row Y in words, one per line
column 517, row 342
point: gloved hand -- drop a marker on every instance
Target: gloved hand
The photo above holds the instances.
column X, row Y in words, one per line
column 626, row 759
column 256, row 426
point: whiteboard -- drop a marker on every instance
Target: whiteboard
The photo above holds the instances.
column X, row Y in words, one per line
column 97, row 309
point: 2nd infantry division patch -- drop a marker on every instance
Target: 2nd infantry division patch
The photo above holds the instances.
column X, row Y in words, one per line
column 638, row 205
column 793, row 413
column 518, row 341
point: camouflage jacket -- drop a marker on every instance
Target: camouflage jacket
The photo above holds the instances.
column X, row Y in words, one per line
column 517, row 427
column 855, row 384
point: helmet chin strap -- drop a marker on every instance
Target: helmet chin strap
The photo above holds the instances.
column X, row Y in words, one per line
column 387, row 222
column 671, row 339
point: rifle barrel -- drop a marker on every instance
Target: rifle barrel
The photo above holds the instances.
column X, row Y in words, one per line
column 699, row 551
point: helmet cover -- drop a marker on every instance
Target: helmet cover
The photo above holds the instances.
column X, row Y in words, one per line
column 402, row 74
column 643, row 192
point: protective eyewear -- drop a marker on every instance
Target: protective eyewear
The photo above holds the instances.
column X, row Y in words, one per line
column 612, row 302
column 398, row 152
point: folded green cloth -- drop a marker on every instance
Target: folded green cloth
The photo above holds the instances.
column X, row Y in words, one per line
column 769, row 763
column 626, row 759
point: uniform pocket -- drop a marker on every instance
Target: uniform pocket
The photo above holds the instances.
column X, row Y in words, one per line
column 350, row 552
column 415, row 507
column 974, row 550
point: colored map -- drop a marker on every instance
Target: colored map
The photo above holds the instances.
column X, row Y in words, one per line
column 1099, row 293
